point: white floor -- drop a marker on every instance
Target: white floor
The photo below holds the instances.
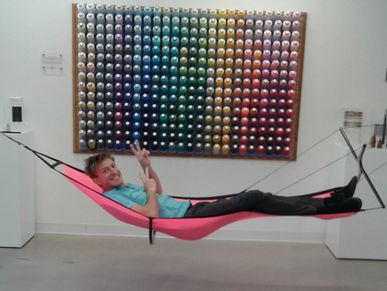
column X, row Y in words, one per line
column 81, row 263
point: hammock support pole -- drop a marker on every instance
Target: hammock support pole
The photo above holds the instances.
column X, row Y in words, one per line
column 359, row 160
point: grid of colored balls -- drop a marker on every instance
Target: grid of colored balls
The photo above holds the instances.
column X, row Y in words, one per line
column 282, row 108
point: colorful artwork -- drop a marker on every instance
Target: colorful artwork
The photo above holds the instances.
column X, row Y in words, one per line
column 197, row 82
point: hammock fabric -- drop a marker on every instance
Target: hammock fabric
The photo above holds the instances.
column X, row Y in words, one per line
column 182, row 228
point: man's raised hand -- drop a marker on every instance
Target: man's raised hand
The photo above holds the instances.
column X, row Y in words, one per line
column 142, row 155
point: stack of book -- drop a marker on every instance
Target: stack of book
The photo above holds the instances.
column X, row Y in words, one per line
column 353, row 119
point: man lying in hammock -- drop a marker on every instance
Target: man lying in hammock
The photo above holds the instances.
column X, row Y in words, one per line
column 149, row 200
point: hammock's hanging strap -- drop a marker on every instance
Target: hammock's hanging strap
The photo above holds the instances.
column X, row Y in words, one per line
column 312, row 173
column 55, row 162
column 288, row 162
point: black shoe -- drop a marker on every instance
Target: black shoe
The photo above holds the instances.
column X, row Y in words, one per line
column 343, row 192
column 349, row 190
column 346, row 205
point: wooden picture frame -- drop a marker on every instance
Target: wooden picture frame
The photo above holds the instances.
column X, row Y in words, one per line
column 253, row 114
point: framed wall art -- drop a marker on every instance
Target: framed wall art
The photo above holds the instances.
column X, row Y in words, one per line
column 187, row 82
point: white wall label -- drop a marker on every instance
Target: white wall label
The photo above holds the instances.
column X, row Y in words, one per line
column 52, row 64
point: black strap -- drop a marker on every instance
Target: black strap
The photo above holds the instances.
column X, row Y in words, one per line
column 152, row 233
column 55, row 162
column 288, row 162
column 312, row 173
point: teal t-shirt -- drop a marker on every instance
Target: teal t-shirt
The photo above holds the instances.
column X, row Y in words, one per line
column 129, row 195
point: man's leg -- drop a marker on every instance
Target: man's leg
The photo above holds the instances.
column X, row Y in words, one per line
column 346, row 203
column 303, row 200
column 254, row 200
column 290, row 205
column 221, row 206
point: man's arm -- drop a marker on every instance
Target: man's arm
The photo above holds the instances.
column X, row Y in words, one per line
column 143, row 158
column 151, row 207
column 153, row 175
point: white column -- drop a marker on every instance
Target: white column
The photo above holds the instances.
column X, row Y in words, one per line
column 17, row 191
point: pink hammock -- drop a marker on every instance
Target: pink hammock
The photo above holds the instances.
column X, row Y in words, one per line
column 182, row 228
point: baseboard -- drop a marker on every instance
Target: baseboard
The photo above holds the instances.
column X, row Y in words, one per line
column 222, row 234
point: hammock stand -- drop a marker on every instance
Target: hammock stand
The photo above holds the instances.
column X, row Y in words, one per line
column 183, row 228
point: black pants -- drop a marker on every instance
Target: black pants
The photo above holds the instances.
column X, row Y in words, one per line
column 257, row 201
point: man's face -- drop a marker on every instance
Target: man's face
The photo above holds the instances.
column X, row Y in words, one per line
column 107, row 175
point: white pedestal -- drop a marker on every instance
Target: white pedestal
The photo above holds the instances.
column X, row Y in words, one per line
column 17, row 191
column 363, row 236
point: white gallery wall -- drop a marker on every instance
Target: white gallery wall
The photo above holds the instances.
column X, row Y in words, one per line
column 345, row 65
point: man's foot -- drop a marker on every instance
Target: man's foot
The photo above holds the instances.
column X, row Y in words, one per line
column 343, row 192
column 346, row 205
column 349, row 190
